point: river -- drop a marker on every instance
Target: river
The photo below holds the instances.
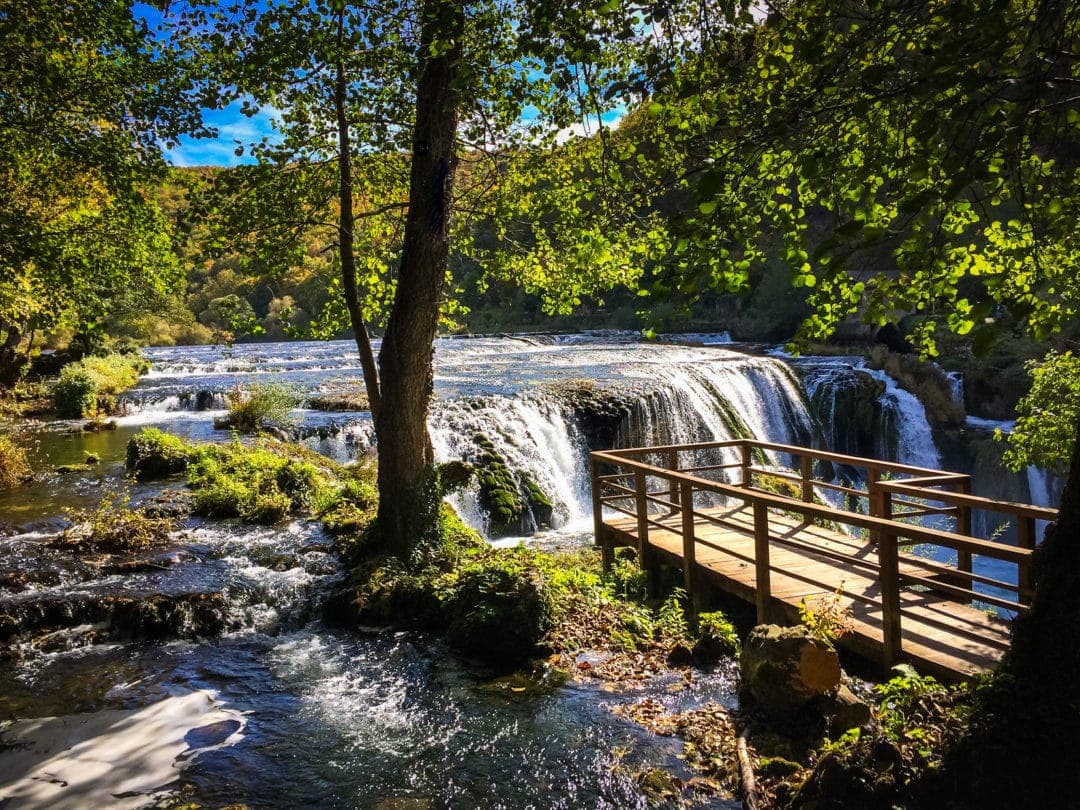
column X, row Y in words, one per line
column 230, row 684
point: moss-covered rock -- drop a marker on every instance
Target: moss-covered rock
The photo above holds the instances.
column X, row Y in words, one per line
column 514, row 503
column 154, row 454
column 499, row 610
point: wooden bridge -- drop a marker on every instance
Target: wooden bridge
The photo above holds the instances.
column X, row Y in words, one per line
column 780, row 525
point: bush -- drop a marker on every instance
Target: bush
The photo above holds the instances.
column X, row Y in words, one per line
column 75, row 394
column 13, row 467
column 716, row 636
column 257, row 484
column 155, row 454
column 261, row 405
column 114, row 526
column 81, row 384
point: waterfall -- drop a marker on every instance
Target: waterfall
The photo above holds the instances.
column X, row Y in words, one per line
column 897, row 428
column 727, row 397
column 532, row 433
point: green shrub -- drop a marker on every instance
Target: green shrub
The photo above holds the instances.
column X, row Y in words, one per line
column 114, row 526
column 75, row 393
column 13, row 467
column 716, row 635
column 257, row 484
column 82, row 384
column 155, row 454
column 261, row 405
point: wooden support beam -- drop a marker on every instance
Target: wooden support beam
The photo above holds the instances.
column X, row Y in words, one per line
column 673, row 490
column 806, row 472
column 763, row 594
column 689, row 539
column 963, row 526
column 606, row 551
column 646, row 559
column 889, row 577
column 747, row 458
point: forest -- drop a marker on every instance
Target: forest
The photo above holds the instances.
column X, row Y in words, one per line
column 462, row 246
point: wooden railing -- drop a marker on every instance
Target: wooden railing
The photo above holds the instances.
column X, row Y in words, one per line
column 654, row 483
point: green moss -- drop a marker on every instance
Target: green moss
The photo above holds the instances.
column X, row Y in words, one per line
column 155, row 454
column 512, row 502
column 260, row 484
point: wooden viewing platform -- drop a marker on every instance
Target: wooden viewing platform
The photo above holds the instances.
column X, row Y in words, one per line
column 676, row 506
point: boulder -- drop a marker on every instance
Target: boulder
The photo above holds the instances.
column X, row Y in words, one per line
column 784, row 668
column 844, row 710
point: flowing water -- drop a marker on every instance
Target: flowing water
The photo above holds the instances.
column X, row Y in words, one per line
column 215, row 645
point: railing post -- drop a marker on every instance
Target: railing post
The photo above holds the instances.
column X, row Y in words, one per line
column 763, row 586
column 806, row 470
column 607, row 554
column 645, row 557
column 673, row 490
column 1025, row 538
column 874, row 501
column 963, row 526
column 747, row 476
column 689, row 551
column 889, row 561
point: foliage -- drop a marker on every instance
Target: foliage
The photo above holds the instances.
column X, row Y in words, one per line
column 74, row 394
column 114, row 526
column 262, row 484
column 827, row 618
column 152, row 454
column 1047, row 415
column 13, row 467
column 92, row 381
column 261, row 405
column 671, row 618
column 90, row 99
column 718, row 632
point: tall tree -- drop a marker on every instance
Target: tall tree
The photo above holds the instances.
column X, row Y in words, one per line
column 433, row 86
column 85, row 104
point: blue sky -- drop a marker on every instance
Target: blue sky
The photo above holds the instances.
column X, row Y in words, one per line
column 232, row 127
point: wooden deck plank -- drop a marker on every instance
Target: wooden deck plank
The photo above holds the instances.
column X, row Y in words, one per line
column 948, row 639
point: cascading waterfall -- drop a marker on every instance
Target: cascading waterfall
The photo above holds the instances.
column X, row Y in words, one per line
column 532, row 434
column 900, row 430
column 729, row 397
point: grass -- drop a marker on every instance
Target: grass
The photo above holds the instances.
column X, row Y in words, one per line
column 114, row 526
column 261, row 405
column 262, row 483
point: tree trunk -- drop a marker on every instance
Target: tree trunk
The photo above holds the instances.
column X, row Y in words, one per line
column 346, row 223
column 1021, row 747
column 408, row 486
column 12, row 362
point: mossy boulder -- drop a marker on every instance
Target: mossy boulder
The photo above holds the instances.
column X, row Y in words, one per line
column 154, row 454
column 783, row 669
column 499, row 611
column 514, row 503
